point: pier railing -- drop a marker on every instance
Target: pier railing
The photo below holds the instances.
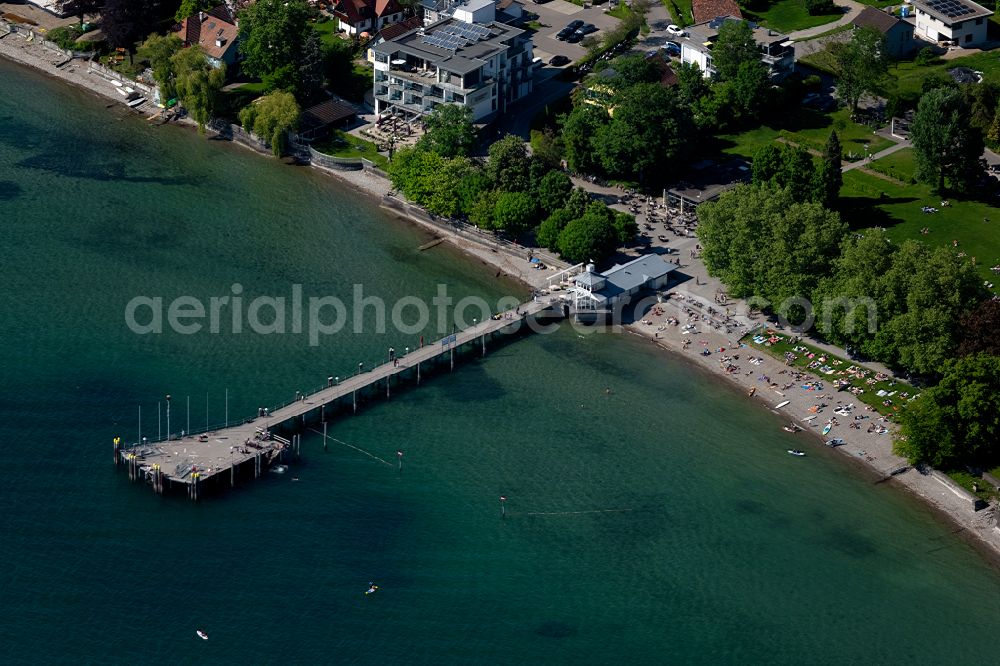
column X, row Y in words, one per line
column 366, row 364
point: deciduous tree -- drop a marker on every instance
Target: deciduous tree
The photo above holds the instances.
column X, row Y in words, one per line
column 449, row 130
column 272, row 36
column 648, row 136
column 159, row 51
column 734, row 46
column 124, row 22
column 271, row 118
column 508, row 165
column 957, row 421
column 861, row 66
column 589, row 237
column 979, row 330
column 79, row 8
column 553, row 190
column 198, row 83
column 762, row 243
column 946, row 146
column 515, row 212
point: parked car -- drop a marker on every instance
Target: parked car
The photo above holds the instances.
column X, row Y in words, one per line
column 564, row 34
column 558, row 60
column 575, row 23
column 672, row 48
column 536, row 62
column 676, row 30
column 587, row 28
column 575, row 37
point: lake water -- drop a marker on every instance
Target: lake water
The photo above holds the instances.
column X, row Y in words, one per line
column 663, row 523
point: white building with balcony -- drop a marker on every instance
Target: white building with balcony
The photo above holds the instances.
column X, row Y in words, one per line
column 777, row 51
column 960, row 21
column 485, row 67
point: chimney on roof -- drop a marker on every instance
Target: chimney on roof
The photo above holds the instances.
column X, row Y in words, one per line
column 219, row 41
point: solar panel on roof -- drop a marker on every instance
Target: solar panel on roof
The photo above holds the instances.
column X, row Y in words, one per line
column 950, row 8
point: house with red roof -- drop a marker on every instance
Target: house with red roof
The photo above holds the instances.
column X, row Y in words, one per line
column 215, row 32
column 358, row 16
column 706, row 10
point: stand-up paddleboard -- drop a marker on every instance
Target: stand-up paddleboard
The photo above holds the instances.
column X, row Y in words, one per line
column 782, row 404
column 827, row 428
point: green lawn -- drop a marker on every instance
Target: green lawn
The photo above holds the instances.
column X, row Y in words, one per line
column 808, row 128
column 789, row 15
column 327, row 30
column 680, row 10
column 829, row 368
column 900, row 165
column 869, row 201
column 910, row 77
column 342, row 144
column 986, row 492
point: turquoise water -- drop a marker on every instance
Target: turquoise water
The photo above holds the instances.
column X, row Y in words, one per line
column 662, row 523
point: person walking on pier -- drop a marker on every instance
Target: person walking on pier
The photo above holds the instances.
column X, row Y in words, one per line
column 392, row 354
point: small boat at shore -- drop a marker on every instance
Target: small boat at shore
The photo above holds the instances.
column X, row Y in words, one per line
column 782, row 404
column 796, row 452
column 202, row 635
column 835, row 442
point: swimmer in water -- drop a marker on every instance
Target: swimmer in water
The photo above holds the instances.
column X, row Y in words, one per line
column 372, row 587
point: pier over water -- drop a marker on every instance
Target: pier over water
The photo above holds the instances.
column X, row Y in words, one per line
column 249, row 448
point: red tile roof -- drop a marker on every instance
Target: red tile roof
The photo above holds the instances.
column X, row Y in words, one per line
column 393, row 31
column 706, row 10
column 356, row 11
column 206, row 30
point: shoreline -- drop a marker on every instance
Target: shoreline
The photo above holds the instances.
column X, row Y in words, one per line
column 867, row 452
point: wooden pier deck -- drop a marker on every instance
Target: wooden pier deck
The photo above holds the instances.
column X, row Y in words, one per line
column 200, row 457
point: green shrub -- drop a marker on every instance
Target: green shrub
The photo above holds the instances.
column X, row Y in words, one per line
column 65, row 36
column 925, row 57
column 820, row 7
column 812, row 82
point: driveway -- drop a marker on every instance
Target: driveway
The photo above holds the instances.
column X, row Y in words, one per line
column 553, row 16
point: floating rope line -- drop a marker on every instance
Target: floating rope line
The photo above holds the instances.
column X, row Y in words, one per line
column 351, row 446
column 573, row 513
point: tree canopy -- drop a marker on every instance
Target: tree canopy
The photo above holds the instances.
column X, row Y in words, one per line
column 861, row 66
column 271, row 117
column 197, row 83
column 508, row 165
column 899, row 305
column 449, row 130
column 123, row 22
column 946, row 146
column 978, row 330
column 734, row 46
column 275, row 38
column 79, row 8
column 763, row 243
column 829, row 178
column 159, row 51
column 958, row 420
